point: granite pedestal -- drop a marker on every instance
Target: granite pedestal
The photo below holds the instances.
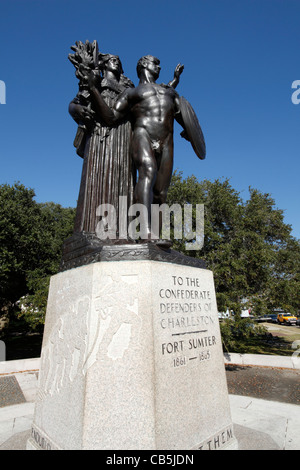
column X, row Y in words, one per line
column 132, row 359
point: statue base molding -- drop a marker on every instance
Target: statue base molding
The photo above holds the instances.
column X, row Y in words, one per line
column 84, row 248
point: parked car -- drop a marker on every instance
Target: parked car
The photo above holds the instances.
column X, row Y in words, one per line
column 223, row 315
column 273, row 318
column 264, row 318
column 286, row 319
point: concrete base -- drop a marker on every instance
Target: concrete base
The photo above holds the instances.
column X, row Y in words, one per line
column 132, row 359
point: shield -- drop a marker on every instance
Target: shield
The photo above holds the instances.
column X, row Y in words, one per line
column 192, row 128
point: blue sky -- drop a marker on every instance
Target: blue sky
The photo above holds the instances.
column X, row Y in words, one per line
column 240, row 57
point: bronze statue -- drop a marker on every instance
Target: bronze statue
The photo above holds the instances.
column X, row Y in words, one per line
column 124, row 129
column 152, row 109
column 108, row 171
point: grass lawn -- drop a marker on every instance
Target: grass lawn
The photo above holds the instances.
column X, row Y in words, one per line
column 278, row 341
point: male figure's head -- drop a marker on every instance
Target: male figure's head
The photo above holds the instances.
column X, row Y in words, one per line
column 150, row 63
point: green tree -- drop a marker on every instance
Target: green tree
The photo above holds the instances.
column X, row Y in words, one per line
column 247, row 245
column 223, row 212
column 272, row 256
column 19, row 239
column 31, row 237
column 57, row 224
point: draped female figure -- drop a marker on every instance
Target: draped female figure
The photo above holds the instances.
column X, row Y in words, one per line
column 108, row 171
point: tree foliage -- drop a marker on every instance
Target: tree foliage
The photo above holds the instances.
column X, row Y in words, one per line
column 31, row 237
column 247, row 245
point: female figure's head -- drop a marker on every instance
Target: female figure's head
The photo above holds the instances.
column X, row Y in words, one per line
column 110, row 65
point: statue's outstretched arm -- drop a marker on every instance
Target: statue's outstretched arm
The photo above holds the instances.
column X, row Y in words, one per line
column 178, row 71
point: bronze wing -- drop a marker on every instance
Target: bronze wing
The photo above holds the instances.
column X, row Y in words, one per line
column 192, row 128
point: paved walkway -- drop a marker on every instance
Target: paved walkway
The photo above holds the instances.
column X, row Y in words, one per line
column 265, row 425
column 259, row 423
column 15, row 425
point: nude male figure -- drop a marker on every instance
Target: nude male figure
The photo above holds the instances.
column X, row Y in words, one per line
column 152, row 109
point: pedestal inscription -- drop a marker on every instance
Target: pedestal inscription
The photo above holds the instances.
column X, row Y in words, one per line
column 185, row 309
